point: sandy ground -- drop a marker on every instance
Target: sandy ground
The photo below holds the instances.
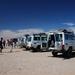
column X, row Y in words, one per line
column 40, row 63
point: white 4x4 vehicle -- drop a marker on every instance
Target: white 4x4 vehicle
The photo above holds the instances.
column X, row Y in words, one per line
column 22, row 40
column 61, row 42
column 34, row 42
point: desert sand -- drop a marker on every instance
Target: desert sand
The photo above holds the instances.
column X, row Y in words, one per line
column 21, row 62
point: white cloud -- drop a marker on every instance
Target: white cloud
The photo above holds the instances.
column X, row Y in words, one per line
column 69, row 24
column 73, row 29
column 6, row 34
column 29, row 31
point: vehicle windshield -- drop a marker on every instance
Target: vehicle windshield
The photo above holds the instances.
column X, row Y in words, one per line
column 58, row 37
column 44, row 38
column 36, row 38
column 29, row 39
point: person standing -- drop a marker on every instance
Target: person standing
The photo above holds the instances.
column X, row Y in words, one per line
column 1, row 45
column 11, row 44
column 4, row 44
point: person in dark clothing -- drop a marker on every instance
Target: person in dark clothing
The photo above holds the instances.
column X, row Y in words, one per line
column 4, row 43
column 1, row 45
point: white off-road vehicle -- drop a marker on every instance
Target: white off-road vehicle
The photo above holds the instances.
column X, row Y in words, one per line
column 34, row 42
column 22, row 40
column 62, row 41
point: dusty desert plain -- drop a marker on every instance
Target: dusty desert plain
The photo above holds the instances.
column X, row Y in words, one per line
column 21, row 62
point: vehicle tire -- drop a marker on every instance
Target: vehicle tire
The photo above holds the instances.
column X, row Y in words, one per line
column 27, row 49
column 64, row 54
column 38, row 48
column 69, row 52
column 33, row 50
column 54, row 53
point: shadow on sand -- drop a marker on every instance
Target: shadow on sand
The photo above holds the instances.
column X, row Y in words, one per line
column 39, row 51
column 64, row 57
column 11, row 52
column 1, row 54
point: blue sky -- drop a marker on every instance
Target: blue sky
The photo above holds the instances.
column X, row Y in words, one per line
column 41, row 14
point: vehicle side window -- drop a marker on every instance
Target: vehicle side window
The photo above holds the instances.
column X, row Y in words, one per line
column 66, row 37
column 69, row 37
column 74, row 37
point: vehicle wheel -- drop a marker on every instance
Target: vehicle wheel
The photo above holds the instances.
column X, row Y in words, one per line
column 34, row 50
column 54, row 53
column 64, row 54
column 69, row 52
column 38, row 48
column 27, row 48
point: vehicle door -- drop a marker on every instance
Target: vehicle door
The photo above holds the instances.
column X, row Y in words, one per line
column 58, row 41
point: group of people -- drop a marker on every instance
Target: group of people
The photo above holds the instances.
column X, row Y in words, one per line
column 7, row 43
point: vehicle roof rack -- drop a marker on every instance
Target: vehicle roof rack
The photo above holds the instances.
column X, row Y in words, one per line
column 40, row 34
